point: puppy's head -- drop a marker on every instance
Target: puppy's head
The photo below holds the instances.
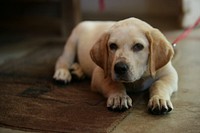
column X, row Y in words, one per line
column 129, row 49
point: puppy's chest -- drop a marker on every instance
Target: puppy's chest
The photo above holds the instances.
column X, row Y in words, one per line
column 139, row 85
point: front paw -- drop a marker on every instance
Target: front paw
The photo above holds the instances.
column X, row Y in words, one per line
column 158, row 105
column 62, row 75
column 119, row 102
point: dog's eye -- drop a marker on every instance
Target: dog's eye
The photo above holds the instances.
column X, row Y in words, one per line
column 113, row 46
column 138, row 47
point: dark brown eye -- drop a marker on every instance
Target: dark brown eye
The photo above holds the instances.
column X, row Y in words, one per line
column 138, row 47
column 113, row 46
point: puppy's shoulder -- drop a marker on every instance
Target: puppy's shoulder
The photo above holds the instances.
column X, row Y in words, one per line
column 168, row 69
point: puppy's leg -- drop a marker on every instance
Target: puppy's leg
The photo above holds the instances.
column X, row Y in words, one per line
column 160, row 93
column 115, row 92
column 77, row 71
column 65, row 61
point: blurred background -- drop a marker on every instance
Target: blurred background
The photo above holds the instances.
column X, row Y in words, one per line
column 24, row 19
column 24, row 24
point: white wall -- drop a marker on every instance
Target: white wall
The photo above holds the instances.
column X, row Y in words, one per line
column 191, row 9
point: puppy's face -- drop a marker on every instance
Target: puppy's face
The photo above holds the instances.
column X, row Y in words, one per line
column 128, row 50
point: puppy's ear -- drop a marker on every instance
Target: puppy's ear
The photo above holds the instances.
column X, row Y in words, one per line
column 99, row 52
column 161, row 51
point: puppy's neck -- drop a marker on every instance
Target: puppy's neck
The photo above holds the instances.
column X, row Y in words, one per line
column 139, row 85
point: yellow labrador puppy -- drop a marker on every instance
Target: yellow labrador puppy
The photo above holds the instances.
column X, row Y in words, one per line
column 121, row 56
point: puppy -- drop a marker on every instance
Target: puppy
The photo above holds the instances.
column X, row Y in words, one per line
column 121, row 56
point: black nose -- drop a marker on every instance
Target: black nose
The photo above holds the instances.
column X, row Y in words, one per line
column 121, row 68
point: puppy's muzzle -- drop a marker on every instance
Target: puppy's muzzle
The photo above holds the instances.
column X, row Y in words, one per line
column 121, row 68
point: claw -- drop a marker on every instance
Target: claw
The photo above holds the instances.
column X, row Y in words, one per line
column 158, row 106
column 62, row 75
column 119, row 102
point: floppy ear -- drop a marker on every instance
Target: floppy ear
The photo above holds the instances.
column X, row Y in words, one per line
column 161, row 51
column 99, row 52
